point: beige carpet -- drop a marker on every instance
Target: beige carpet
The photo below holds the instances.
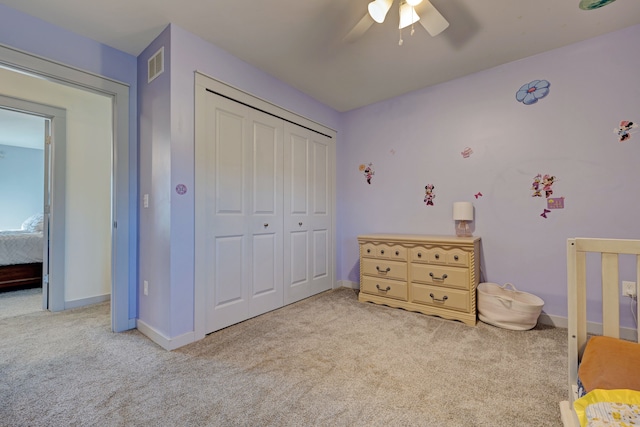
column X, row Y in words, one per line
column 18, row 303
column 325, row 361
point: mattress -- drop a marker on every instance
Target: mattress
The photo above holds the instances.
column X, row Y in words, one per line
column 20, row 247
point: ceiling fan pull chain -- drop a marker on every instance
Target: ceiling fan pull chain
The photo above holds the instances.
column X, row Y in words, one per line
column 413, row 13
column 399, row 28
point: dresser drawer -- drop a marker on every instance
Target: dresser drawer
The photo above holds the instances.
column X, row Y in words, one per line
column 454, row 256
column 452, row 277
column 384, row 268
column 453, row 299
column 392, row 252
column 384, row 288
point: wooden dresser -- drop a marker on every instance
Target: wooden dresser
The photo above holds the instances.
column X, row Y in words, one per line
column 434, row 275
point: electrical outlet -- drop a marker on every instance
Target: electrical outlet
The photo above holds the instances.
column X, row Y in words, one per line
column 145, row 287
column 629, row 289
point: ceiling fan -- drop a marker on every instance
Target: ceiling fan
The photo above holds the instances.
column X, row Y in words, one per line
column 411, row 11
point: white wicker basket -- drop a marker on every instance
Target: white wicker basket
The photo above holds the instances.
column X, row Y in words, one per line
column 508, row 308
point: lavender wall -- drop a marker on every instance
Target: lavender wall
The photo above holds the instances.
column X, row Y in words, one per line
column 417, row 139
column 154, row 107
column 167, row 244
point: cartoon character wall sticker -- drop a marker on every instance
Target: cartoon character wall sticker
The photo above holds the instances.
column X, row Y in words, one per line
column 429, row 194
column 368, row 171
column 543, row 184
column 624, row 130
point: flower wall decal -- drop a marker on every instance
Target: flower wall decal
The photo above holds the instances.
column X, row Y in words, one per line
column 531, row 92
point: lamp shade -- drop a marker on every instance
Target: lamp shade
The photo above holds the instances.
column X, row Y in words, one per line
column 408, row 16
column 378, row 9
column 414, row 2
column 463, row 211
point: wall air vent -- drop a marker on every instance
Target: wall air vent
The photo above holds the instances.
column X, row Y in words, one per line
column 156, row 65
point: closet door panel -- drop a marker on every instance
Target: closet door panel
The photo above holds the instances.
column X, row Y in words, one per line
column 227, row 210
column 299, row 255
column 267, row 213
column 307, row 213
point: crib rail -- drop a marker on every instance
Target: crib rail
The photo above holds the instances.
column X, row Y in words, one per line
column 610, row 250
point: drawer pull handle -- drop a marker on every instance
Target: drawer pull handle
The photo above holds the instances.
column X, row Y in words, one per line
column 382, row 252
column 455, row 257
column 419, row 254
column 368, row 251
column 388, row 269
column 266, row 224
column 437, row 256
column 387, row 289
column 444, row 276
column 444, row 298
column 397, row 253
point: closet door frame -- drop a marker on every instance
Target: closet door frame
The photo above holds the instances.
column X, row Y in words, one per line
column 203, row 85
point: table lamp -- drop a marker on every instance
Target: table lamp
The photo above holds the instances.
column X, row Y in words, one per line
column 462, row 214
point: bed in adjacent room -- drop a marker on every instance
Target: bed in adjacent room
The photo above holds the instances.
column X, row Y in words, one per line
column 21, row 253
column 604, row 371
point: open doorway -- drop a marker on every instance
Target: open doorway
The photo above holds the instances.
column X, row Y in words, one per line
column 22, row 236
column 112, row 238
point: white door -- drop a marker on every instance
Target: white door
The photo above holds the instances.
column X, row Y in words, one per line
column 307, row 194
column 243, row 213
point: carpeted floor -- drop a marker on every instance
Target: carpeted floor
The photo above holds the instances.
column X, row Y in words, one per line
column 325, row 361
column 17, row 303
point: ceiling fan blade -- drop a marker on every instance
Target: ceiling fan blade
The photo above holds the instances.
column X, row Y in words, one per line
column 359, row 29
column 431, row 19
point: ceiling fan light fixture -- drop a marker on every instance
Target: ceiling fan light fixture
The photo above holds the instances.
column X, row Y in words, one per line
column 408, row 16
column 378, row 9
column 432, row 20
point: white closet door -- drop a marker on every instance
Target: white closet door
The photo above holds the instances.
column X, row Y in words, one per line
column 267, row 213
column 307, row 197
column 243, row 213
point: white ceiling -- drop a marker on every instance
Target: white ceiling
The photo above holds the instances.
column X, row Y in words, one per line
column 300, row 41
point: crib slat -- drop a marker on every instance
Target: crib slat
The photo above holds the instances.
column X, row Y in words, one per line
column 610, row 297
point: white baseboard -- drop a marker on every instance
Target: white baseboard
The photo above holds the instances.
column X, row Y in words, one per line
column 348, row 284
column 161, row 340
column 86, row 301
